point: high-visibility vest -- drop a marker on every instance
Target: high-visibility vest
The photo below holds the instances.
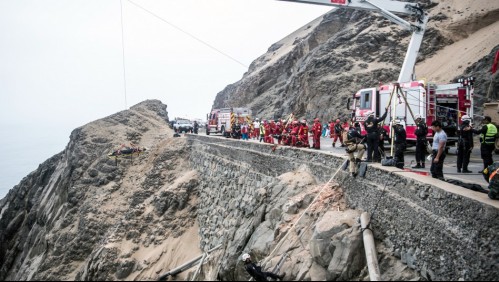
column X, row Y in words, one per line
column 490, row 137
column 262, row 130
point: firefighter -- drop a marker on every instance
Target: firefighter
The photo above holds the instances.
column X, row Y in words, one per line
column 487, row 141
column 278, row 131
column 256, row 271
column 354, row 143
column 262, row 131
column 337, row 130
column 464, row 145
column 303, row 135
column 294, row 133
column 400, row 144
column 491, row 174
column 421, row 142
column 268, row 133
column 317, row 131
column 373, row 136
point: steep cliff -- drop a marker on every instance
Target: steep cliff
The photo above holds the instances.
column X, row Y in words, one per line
column 313, row 71
column 82, row 216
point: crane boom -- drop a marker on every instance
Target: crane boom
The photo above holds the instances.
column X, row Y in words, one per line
column 389, row 9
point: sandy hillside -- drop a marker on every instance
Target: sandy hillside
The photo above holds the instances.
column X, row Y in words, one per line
column 473, row 25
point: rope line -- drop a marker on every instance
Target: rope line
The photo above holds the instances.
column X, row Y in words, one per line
column 279, row 244
column 190, row 35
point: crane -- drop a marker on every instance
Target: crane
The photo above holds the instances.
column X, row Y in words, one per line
column 389, row 9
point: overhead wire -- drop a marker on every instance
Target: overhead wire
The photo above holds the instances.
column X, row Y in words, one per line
column 123, row 53
column 189, row 34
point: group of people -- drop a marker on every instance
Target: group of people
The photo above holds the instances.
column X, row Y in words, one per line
column 288, row 133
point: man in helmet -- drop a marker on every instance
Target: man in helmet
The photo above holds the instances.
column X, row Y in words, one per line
column 487, row 141
column 317, row 131
column 354, row 143
column 464, row 145
column 421, row 141
column 400, row 144
column 373, row 135
column 256, row 271
column 338, row 131
column 491, row 175
column 303, row 135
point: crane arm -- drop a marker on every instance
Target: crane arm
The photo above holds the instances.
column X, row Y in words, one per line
column 389, row 9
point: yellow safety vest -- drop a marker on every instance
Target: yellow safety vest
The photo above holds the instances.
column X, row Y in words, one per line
column 490, row 137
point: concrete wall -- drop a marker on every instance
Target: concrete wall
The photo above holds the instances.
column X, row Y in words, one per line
column 443, row 231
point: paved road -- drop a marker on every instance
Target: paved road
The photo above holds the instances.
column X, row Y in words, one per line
column 450, row 164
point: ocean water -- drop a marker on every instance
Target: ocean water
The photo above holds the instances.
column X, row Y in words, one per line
column 24, row 147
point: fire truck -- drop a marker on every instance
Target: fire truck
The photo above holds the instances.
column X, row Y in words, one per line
column 444, row 102
column 221, row 121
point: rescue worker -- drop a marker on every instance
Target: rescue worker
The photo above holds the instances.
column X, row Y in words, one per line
column 464, row 145
column 278, row 131
column 354, row 143
column 421, row 141
column 196, row 127
column 487, row 141
column 294, row 133
column 491, row 174
column 400, row 144
column 303, row 135
column 256, row 128
column 256, row 271
column 373, row 136
column 338, row 132
column 317, row 131
column 262, row 131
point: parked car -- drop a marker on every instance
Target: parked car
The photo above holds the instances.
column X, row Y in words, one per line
column 183, row 126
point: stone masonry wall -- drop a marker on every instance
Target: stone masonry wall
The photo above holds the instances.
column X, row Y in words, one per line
column 443, row 231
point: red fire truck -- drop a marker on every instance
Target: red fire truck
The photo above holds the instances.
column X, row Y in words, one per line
column 221, row 121
column 444, row 102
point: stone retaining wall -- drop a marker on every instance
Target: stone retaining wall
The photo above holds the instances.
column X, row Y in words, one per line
column 443, row 231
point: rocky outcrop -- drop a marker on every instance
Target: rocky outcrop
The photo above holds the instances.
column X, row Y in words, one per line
column 314, row 71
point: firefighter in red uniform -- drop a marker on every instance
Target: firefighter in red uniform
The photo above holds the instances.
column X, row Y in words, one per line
column 303, row 135
column 268, row 133
column 278, row 132
column 317, row 131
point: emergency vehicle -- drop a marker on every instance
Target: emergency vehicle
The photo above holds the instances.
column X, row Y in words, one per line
column 221, row 121
column 446, row 103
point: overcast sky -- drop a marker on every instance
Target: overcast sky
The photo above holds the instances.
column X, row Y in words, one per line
column 61, row 62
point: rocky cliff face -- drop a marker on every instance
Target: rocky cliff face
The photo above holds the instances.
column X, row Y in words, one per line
column 313, row 72
column 82, row 216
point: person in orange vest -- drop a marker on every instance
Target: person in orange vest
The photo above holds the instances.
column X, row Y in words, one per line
column 317, row 131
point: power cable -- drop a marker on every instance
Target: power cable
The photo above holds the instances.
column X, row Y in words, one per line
column 189, row 34
column 123, row 53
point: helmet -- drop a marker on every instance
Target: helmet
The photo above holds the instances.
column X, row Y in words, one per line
column 257, row 119
column 465, row 118
column 338, row 120
column 397, row 122
column 295, row 122
column 304, row 121
column 417, row 116
column 245, row 257
column 278, row 123
column 316, row 120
